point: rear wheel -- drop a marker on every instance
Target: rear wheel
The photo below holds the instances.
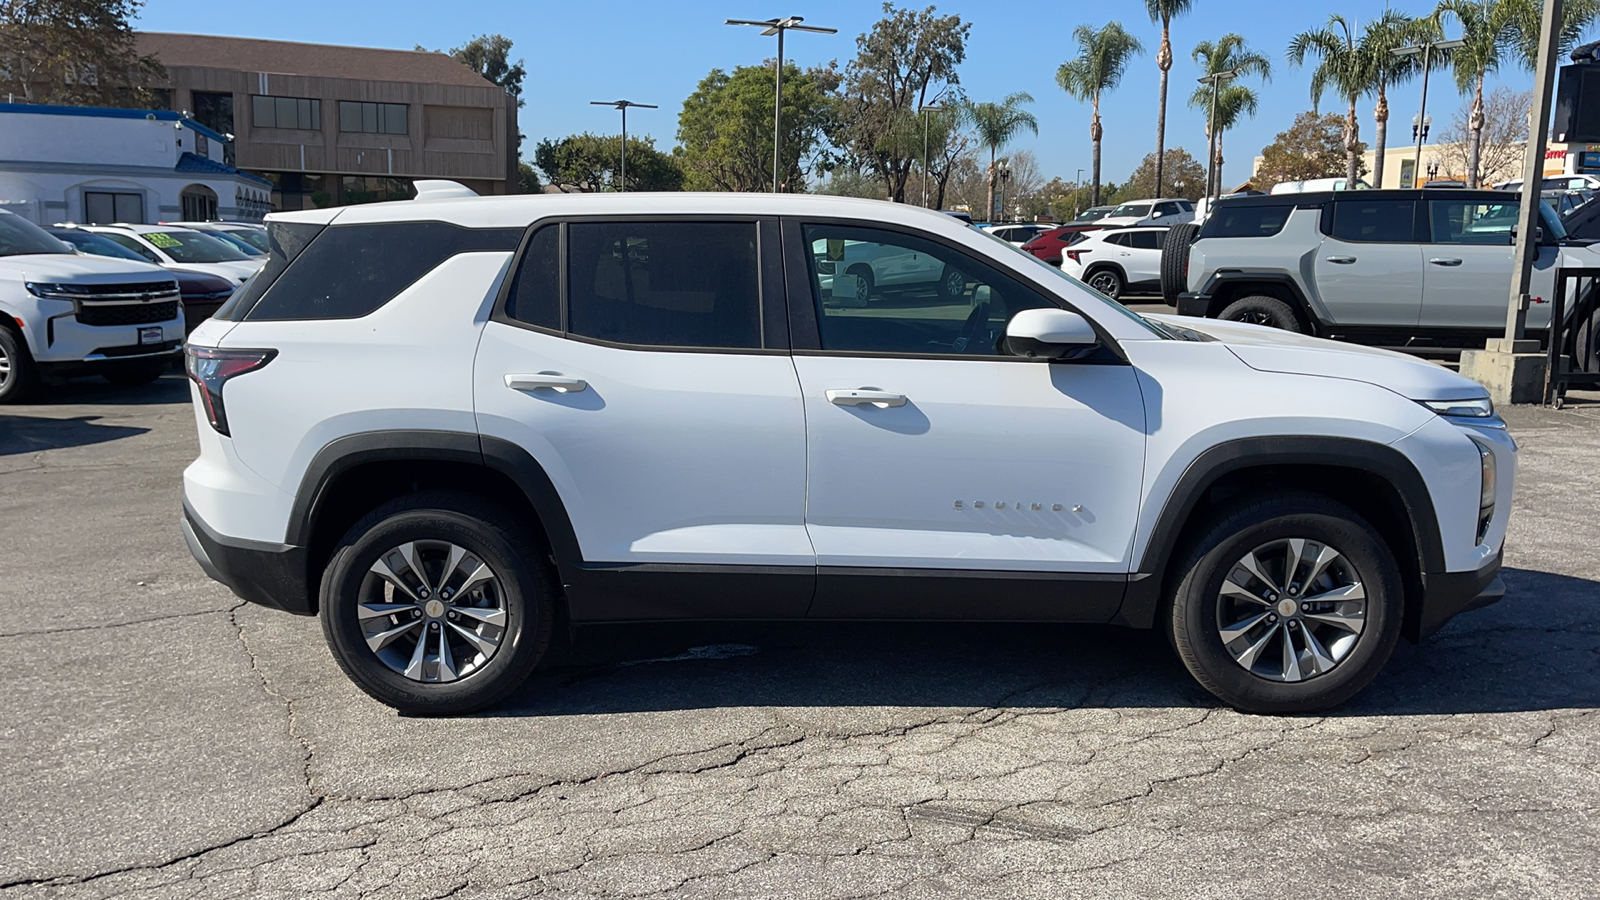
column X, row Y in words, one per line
column 437, row 604
column 1106, row 281
column 1586, row 345
column 19, row 376
column 1259, row 309
column 1175, row 261
column 1288, row 604
column 863, row 274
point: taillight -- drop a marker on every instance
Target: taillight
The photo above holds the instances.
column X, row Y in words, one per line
column 1075, row 255
column 211, row 367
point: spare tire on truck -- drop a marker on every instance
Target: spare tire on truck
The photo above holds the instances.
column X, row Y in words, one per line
column 1175, row 261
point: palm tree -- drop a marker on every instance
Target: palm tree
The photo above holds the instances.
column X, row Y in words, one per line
column 1229, row 54
column 1102, row 58
column 1378, row 41
column 1343, row 67
column 1486, row 31
column 1163, row 12
column 996, row 124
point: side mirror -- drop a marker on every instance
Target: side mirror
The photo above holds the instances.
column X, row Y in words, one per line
column 1049, row 334
column 1158, row 214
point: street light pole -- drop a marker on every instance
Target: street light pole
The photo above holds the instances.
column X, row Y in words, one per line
column 1215, row 79
column 1426, row 48
column 778, row 27
column 622, row 106
column 923, row 111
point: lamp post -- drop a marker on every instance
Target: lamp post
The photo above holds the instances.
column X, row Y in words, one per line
column 922, row 111
column 1426, row 48
column 778, row 27
column 1002, row 172
column 1215, row 79
column 622, row 107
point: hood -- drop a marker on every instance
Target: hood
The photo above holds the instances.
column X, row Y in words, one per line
column 1273, row 350
column 236, row 272
column 71, row 267
column 1119, row 221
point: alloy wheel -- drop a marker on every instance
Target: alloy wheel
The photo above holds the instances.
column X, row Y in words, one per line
column 955, row 283
column 5, row 367
column 432, row 611
column 1255, row 317
column 1105, row 283
column 1291, row 609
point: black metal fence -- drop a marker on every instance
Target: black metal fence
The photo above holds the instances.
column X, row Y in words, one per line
column 1573, row 344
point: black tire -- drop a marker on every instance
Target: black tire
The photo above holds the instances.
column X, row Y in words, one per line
column 1259, row 309
column 136, row 375
column 864, row 282
column 523, row 586
column 1586, row 345
column 952, row 283
column 19, row 375
column 1107, row 280
column 1246, row 528
column 1175, row 261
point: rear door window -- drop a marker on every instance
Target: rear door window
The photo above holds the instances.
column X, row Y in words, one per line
column 1375, row 221
column 1472, row 222
column 1145, row 240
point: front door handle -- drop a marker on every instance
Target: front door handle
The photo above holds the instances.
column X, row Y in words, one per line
column 1342, row 260
column 555, row 382
column 880, row 399
column 1441, row 261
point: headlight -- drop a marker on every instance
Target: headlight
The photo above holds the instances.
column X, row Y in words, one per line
column 1480, row 408
column 55, row 291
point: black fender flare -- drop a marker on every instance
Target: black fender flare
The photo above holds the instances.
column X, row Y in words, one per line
column 1224, row 277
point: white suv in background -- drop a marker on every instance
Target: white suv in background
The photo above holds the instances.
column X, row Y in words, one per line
column 446, row 425
column 1115, row 261
column 173, row 247
column 1149, row 212
column 62, row 314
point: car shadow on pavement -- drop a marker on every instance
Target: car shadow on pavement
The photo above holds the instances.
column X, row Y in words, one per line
column 173, row 387
column 1536, row 650
column 32, row 434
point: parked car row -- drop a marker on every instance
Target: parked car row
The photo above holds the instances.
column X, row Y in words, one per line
column 112, row 300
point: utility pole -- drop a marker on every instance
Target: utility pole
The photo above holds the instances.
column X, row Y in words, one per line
column 622, row 106
column 778, row 27
column 1544, row 79
column 1215, row 80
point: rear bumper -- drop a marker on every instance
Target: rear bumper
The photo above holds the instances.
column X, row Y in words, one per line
column 271, row 575
column 1447, row 594
column 1193, row 304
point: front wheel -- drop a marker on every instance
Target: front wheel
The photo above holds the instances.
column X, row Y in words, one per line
column 1288, row 604
column 437, row 604
column 19, row 376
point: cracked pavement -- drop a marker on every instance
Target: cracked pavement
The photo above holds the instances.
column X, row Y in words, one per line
column 164, row 740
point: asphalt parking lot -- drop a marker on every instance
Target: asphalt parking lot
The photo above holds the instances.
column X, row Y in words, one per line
column 163, row 740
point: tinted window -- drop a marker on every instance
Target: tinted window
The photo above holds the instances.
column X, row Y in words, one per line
column 1132, row 209
column 285, row 240
column 1145, row 240
column 1472, row 222
column 19, row 237
column 95, row 244
column 1234, row 220
column 1167, row 209
column 666, row 284
column 1374, row 221
column 536, row 293
column 348, row 271
column 885, row 292
column 1120, row 239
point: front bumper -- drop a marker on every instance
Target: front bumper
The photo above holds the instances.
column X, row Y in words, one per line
column 101, row 359
column 1193, row 304
column 271, row 575
column 1447, row 594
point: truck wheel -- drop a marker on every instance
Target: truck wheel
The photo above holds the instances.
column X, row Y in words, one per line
column 1175, row 261
column 1586, row 345
column 136, row 375
column 19, row 375
column 1289, row 603
column 1107, row 281
column 437, row 603
column 1259, row 309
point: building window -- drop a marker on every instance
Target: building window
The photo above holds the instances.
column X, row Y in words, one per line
column 286, row 112
column 105, row 207
column 199, row 203
column 372, row 118
column 373, row 189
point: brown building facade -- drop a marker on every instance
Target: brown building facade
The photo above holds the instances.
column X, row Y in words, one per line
column 329, row 126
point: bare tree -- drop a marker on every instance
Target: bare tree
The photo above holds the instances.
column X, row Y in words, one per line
column 1505, row 131
column 1025, row 179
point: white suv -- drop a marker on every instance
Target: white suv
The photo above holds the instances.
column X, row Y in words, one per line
column 1116, row 260
column 446, row 425
column 62, row 314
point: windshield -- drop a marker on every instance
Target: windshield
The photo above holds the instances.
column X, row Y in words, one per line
column 193, row 247
column 238, row 243
column 1097, row 212
column 19, row 237
column 1132, row 209
column 95, row 245
column 253, row 237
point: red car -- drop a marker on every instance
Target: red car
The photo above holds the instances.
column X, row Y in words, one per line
column 1048, row 246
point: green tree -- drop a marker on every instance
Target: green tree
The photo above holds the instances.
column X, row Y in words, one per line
column 1103, row 56
column 1341, row 67
column 1231, row 53
column 588, row 163
column 848, row 182
column 996, row 124
column 725, row 127
column 490, row 56
column 76, row 53
column 1163, row 12
column 906, row 61
column 1486, row 30
column 1312, row 147
column 1379, row 38
column 1185, row 176
column 527, row 178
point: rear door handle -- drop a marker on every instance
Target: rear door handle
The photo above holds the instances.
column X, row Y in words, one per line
column 880, row 399
column 1441, row 261
column 555, row 382
column 1342, row 260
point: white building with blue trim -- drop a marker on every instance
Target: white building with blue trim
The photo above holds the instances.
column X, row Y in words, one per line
column 93, row 166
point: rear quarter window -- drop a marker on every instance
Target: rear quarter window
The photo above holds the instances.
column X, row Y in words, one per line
column 348, row 271
column 1246, row 221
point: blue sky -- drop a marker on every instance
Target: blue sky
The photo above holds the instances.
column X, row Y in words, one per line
column 655, row 52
